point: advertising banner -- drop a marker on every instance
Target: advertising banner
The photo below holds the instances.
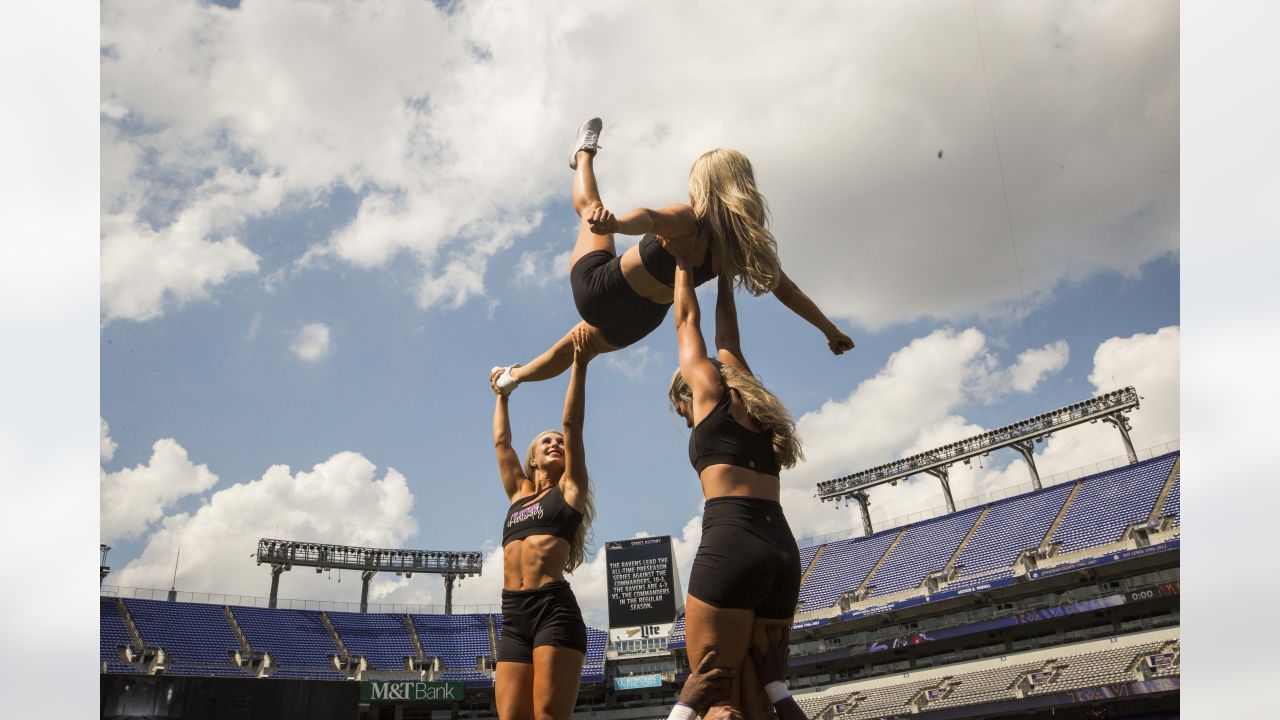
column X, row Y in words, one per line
column 410, row 691
column 644, row 593
column 636, row 682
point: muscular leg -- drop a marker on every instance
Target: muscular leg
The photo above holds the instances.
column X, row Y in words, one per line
column 513, row 690
column 726, row 630
column 586, row 197
column 556, row 674
column 558, row 357
column 767, row 633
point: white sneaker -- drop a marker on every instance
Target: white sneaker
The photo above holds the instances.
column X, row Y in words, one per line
column 588, row 139
column 505, row 382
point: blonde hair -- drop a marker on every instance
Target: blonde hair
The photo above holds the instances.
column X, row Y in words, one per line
column 765, row 409
column 583, row 537
column 722, row 187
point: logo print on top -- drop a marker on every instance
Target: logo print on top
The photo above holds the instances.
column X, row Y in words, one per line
column 534, row 511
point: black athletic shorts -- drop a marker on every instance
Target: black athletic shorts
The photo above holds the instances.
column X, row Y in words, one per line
column 548, row 615
column 606, row 301
column 748, row 558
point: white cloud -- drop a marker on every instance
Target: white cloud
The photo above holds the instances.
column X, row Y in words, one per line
column 311, row 343
column 543, row 268
column 1033, row 365
column 634, row 362
column 133, row 499
column 106, row 446
column 339, row 500
column 454, row 130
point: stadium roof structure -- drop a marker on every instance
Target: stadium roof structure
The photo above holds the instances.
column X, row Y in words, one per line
column 1109, row 407
column 284, row 554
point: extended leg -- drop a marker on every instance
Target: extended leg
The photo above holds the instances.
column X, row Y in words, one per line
column 586, row 197
column 556, row 675
column 558, row 357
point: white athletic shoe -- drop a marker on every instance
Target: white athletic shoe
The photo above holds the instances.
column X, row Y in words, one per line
column 588, row 139
column 505, row 382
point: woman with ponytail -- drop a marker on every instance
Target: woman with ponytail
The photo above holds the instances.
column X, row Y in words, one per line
column 543, row 644
column 724, row 230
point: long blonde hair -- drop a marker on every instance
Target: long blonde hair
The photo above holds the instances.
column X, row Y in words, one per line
column 765, row 409
column 726, row 201
column 583, row 536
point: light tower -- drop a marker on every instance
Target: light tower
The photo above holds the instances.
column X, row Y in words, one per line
column 282, row 555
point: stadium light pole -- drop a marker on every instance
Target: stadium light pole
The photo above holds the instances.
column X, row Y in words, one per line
column 1026, row 448
column 864, row 504
column 103, row 570
column 1120, row 422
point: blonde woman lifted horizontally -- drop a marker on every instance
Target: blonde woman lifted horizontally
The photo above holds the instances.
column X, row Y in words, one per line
column 745, row 578
column 724, row 230
column 543, row 645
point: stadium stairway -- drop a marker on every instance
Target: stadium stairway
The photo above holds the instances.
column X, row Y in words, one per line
column 1046, row 543
column 863, row 588
column 1157, row 510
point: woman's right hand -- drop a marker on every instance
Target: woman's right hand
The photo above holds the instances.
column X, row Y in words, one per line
column 602, row 221
column 493, row 381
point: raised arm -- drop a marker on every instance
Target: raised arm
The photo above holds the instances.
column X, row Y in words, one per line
column 728, row 345
column 573, row 484
column 790, row 295
column 509, row 467
column 698, row 371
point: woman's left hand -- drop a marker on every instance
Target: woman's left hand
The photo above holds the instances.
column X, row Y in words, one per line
column 602, row 221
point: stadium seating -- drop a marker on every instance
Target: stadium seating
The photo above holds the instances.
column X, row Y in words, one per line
column 843, row 567
column 1173, row 503
column 196, row 638
column 112, row 634
column 456, row 639
column 1112, row 501
column 382, row 639
column 1013, row 525
column 926, row 547
column 297, row 641
column 593, row 670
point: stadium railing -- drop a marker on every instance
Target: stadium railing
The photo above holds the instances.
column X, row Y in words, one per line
column 291, row 604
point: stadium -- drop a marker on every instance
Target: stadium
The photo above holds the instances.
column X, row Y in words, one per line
column 1059, row 599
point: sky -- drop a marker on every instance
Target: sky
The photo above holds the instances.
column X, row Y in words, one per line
column 321, row 225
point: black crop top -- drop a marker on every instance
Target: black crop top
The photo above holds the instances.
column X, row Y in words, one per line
column 662, row 265
column 720, row 440
column 550, row 514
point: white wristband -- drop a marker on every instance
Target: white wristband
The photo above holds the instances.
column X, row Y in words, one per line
column 682, row 712
column 777, row 692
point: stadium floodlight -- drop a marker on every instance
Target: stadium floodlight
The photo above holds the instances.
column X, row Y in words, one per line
column 1021, row 436
column 282, row 555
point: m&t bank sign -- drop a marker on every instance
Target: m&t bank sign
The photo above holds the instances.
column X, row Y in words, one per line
column 410, row 691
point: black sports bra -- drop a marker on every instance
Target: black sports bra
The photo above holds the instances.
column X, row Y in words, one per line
column 549, row 514
column 662, row 265
column 720, row 440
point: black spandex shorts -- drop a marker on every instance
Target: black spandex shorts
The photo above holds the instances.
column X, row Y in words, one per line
column 748, row 558
column 548, row 615
column 605, row 300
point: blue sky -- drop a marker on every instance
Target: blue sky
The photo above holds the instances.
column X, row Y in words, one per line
column 399, row 177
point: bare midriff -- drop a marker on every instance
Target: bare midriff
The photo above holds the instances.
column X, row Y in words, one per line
column 646, row 285
column 534, row 561
column 734, row 481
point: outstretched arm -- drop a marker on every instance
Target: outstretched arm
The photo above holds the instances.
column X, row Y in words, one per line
column 508, row 461
column 574, row 482
column 790, row 294
column 698, row 372
column 676, row 223
column 728, row 345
